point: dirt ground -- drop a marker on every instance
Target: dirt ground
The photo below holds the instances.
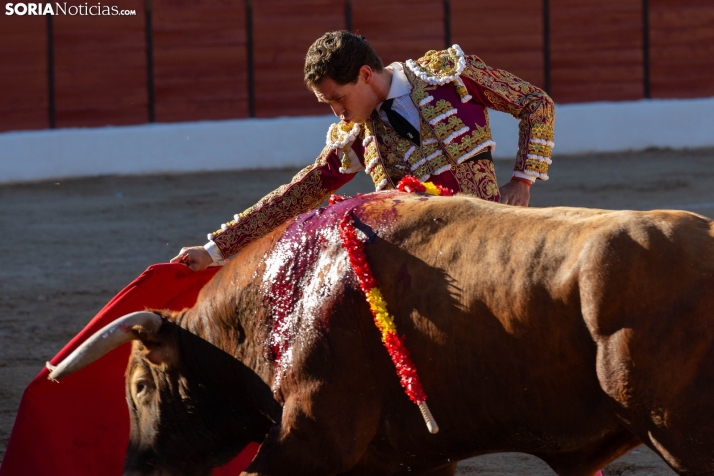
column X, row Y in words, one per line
column 67, row 247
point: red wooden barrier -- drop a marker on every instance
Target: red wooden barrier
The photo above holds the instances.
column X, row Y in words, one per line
column 596, row 50
column 400, row 29
column 23, row 82
column 200, row 60
column 200, row 54
column 100, row 69
column 283, row 31
column 682, row 48
column 506, row 34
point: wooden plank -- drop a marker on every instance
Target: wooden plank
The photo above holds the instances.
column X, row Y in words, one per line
column 100, row 69
column 200, row 60
column 283, row 32
column 400, row 29
column 23, row 82
column 506, row 34
column 682, row 48
column 596, row 50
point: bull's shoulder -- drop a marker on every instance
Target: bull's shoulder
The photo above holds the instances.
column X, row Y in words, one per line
column 651, row 231
column 635, row 262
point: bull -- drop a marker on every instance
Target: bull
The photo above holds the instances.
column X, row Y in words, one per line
column 570, row 334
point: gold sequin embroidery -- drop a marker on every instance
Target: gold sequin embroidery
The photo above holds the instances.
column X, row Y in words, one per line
column 478, row 178
column 302, row 194
column 524, row 101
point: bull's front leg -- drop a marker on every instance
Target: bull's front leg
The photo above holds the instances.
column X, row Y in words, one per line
column 320, row 434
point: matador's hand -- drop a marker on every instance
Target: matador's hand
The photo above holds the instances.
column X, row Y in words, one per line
column 195, row 257
column 516, row 193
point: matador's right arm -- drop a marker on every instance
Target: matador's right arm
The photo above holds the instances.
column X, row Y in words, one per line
column 307, row 190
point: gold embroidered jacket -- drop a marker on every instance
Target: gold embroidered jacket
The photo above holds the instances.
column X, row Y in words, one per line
column 452, row 92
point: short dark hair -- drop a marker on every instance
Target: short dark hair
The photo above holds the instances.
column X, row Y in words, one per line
column 339, row 55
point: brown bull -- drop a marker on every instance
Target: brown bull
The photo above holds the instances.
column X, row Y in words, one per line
column 570, row 334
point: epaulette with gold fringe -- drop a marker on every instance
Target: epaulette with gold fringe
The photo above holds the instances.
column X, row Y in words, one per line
column 441, row 67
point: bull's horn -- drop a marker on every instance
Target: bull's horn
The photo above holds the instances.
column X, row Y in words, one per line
column 108, row 338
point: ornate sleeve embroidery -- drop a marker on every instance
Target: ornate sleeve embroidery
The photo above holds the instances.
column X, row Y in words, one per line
column 504, row 92
column 310, row 187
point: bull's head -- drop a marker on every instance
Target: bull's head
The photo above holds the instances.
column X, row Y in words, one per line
column 192, row 406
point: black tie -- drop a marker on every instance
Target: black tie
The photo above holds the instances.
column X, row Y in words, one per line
column 401, row 125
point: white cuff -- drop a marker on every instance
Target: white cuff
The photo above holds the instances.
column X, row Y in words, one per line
column 518, row 174
column 215, row 253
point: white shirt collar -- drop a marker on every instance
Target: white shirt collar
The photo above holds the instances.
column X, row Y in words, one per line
column 400, row 84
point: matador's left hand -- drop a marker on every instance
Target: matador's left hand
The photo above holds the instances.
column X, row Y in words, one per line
column 516, row 193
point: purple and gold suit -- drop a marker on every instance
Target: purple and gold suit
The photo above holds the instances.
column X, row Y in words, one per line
column 452, row 92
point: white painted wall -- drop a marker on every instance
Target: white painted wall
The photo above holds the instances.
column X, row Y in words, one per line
column 619, row 126
column 283, row 142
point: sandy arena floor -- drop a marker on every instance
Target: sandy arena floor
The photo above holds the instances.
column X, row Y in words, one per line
column 68, row 247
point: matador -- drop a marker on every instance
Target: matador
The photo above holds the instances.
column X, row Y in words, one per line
column 427, row 118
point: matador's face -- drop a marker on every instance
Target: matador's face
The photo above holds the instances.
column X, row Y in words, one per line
column 352, row 102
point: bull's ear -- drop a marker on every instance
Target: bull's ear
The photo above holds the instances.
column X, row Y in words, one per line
column 155, row 342
column 157, row 355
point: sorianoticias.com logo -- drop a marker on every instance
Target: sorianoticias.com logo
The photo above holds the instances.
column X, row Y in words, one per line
column 63, row 9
